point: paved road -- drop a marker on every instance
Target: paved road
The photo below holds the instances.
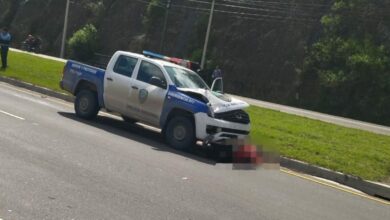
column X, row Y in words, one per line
column 54, row 166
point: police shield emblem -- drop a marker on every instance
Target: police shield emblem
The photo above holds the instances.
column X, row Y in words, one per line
column 143, row 95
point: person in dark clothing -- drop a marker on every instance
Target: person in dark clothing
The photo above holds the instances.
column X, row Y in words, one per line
column 217, row 73
column 5, row 41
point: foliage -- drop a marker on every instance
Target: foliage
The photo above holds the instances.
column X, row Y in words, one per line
column 94, row 11
column 83, row 43
column 347, row 72
column 154, row 14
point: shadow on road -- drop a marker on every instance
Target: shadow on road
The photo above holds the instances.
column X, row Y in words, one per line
column 139, row 133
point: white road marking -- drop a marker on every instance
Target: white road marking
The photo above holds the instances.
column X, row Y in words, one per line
column 9, row 114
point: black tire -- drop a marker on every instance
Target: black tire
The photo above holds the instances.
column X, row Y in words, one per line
column 180, row 133
column 86, row 104
column 128, row 120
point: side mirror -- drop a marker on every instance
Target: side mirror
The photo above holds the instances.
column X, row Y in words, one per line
column 217, row 85
column 156, row 81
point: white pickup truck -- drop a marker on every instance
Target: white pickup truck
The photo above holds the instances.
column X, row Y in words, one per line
column 160, row 94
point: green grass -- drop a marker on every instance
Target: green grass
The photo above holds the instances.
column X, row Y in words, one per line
column 35, row 70
column 350, row 151
column 347, row 150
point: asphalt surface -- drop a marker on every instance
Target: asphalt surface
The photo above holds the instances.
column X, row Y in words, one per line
column 55, row 166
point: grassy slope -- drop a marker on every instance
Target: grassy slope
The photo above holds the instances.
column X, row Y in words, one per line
column 35, row 70
column 343, row 149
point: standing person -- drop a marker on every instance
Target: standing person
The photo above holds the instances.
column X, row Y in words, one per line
column 5, row 41
column 217, row 73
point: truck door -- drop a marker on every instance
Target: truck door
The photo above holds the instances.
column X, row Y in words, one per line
column 118, row 82
column 217, row 85
column 150, row 90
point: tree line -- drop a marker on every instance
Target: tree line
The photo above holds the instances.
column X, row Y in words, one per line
column 347, row 71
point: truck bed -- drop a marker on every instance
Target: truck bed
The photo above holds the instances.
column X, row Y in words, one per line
column 76, row 73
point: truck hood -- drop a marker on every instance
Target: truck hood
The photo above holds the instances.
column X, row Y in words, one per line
column 218, row 102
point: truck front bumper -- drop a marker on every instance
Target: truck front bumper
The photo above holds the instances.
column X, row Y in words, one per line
column 212, row 130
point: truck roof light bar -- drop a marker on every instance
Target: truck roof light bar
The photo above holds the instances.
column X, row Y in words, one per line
column 182, row 62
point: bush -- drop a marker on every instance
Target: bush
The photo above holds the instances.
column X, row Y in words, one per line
column 83, row 44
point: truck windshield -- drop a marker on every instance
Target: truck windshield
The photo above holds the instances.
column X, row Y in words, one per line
column 183, row 78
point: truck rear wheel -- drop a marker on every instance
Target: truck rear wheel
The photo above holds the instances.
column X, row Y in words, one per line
column 86, row 104
column 180, row 133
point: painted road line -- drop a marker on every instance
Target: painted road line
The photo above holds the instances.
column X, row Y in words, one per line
column 12, row 115
column 326, row 183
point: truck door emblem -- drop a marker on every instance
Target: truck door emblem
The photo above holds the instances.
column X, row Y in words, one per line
column 143, row 95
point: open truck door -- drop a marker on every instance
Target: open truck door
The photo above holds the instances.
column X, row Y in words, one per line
column 217, row 85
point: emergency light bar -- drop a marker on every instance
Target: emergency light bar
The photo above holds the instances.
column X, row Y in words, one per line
column 185, row 63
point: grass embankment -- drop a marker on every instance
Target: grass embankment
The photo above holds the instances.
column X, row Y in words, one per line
column 347, row 150
column 335, row 147
column 36, row 70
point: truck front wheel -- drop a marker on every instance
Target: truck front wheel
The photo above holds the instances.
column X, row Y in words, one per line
column 180, row 133
column 86, row 104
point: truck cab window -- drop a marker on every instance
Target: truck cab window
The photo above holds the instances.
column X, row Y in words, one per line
column 148, row 70
column 125, row 65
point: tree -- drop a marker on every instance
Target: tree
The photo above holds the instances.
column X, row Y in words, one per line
column 347, row 71
column 83, row 43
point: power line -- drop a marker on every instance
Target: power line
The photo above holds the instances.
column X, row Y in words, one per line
column 245, row 15
column 254, row 2
column 254, row 15
column 235, row 12
column 262, row 9
column 265, row 16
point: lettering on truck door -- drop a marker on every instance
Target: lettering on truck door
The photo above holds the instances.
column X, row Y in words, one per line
column 118, row 82
column 151, row 86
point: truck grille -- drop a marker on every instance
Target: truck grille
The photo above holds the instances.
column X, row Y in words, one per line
column 237, row 116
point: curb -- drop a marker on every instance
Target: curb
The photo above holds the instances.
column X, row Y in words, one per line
column 38, row 89
column 371, row 188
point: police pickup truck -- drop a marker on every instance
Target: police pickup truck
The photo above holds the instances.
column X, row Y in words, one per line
column 160, row 94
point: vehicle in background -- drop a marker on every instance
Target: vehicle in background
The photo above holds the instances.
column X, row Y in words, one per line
column 32, row 44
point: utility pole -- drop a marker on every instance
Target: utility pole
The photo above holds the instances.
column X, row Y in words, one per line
column 65, row 29
column 202, row 63
column 165, row 25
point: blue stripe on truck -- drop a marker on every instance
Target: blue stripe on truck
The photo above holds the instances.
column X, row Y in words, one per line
column 178, row 100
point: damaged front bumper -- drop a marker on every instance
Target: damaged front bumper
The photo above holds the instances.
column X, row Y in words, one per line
column 212, row 130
